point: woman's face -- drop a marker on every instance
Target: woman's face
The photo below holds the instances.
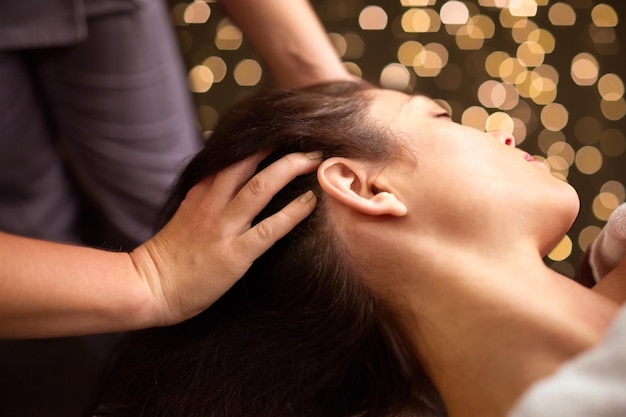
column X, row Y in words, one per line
column 468, row 181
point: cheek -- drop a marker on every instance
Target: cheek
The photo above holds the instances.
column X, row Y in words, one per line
column 459, row 147
column 457, row 163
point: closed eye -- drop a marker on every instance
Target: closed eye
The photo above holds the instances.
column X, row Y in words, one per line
column 443, row 115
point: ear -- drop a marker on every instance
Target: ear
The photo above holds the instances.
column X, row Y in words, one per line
column 356, row 184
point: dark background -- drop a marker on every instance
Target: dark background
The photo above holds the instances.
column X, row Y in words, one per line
column 458, row 84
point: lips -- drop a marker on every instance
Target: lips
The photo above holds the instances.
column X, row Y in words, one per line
column 528, row 157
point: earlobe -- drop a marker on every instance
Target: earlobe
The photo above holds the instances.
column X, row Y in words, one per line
column 352, row 183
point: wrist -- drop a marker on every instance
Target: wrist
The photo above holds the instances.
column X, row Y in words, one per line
column 148, row 306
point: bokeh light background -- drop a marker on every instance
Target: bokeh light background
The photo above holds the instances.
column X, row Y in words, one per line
column 550, row 72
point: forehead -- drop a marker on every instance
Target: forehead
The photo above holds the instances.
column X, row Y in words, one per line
column 390, row 105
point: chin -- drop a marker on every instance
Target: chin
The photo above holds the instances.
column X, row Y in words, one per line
column 564, row 215
column 571, row 203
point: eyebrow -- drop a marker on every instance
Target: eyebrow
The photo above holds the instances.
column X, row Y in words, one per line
column 421, row 95
column 411, row 98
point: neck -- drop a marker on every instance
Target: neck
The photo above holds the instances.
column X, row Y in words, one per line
column 485, row 334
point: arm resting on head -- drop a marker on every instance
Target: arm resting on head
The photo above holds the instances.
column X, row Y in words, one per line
column 51, row 289
column 291, row 40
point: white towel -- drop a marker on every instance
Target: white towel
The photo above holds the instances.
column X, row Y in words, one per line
column 591, row 385
column 609, row 248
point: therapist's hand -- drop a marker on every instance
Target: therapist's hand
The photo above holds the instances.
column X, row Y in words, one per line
column 209, row 243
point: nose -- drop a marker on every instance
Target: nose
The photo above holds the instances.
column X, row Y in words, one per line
column 505, row 137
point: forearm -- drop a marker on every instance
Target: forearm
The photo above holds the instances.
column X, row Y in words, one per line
column 49, row 289
column 291, row 40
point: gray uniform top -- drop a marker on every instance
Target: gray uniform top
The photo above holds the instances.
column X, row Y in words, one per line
column 104, row 82
column 97, row 86
column 26, row 24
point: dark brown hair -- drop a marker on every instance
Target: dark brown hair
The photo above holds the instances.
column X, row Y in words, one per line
column 300, row 334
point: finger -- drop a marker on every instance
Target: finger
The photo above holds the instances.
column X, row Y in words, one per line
column 223, row 186
column 255, row 195
column 263, row 235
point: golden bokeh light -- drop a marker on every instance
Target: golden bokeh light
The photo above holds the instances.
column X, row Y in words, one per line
column 475, row 117
column 520, row 130
column 523, row 112
column 558, row 165
column 563, row 250
column 494, row 62
column 373, row 18
column 396, row 77
column 200, row 79
column 467, row 41
column 217, row 67
column 408, row 51
column 588, row 160
column 491, row 94
column 353, row 68
column 549, row 72
column 587, row 236
column 585, row 69
column 354, row 46
column 616, row 188
column 611, row 87
column 530, row 54
column 248, row 72
column 522, row 29
column 526, row 8
column 430, row 60
column 601, row 211
column 499, row 121
column 563, row 150
column 481, row 27
column 420, row 21
column 547, row 138
column 493, row 3
column 511, row 99
column 609, row 200
column 417, row 3
column 454, row 12
column 197, row 12
column 554, row 116
column 544, row 38
column 524, row 82
column 228, row 36
column 339, row 42
column 613, row 110
column 542, row 90
column 562, row 14
column 604, row 15
column 511, row 70
column 507, row 20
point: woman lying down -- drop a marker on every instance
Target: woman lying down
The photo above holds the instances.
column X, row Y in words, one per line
column 416, row 288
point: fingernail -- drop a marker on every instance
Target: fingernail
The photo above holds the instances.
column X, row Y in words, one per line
column 306, row 197
column 314, row 155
